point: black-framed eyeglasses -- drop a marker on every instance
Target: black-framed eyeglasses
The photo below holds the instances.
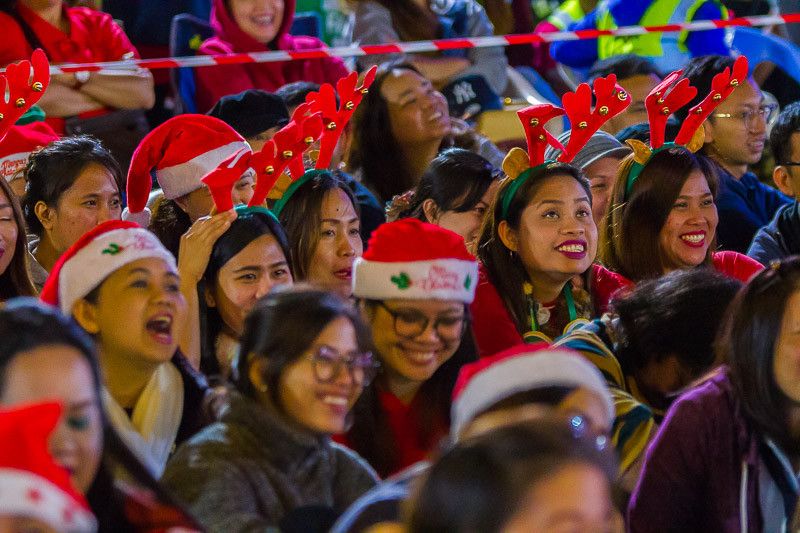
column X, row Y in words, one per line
column 768, row 112
column 789, row 164
column 328, row 363
column 410, row 323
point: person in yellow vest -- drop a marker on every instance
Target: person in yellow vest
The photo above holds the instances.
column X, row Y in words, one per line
column 668, row 51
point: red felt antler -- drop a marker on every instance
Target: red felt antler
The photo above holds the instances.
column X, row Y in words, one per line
column 268, row 167
column 722, row 85
column 222, row 179
column 533, row 119
column 307, row 133
column 26, row 82
column 666, row 98
column 324, row 102
column 610, row 100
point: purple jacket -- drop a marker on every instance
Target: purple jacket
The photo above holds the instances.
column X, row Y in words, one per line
column 701, row 470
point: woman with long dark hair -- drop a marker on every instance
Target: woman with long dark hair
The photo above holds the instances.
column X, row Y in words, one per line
column 269, row 462
column 400, row 127
column 15, row 278
column 321, row 217
column 723, row 458
column 454, row 193
column 246, row 262
column 414, row 285
column 46, row 357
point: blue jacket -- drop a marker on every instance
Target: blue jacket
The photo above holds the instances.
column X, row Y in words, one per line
column 744, row 206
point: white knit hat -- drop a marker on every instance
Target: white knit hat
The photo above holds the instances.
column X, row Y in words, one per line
column 95, row 256
column 31, row 483
column 413, row 260
column 493, row 379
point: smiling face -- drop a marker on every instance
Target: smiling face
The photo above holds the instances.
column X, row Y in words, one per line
column 557, row 238
column 92, row 199
column 732, row 143
column 8, row 232
column 245, row 278
column 61, row 373
column 690, row 226
column 139, row 313
column 418, row 112
column 410, row 360
column 339, row 244
column 260, row 19
column 322, row 407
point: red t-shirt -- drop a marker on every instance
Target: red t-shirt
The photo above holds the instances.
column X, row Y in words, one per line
column 93, row 36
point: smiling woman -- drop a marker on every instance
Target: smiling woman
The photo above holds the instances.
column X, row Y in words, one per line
column 15, row 279
column 269, row 462
column 413, row 285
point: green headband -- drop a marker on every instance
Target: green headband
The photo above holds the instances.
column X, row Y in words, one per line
column 242, row 210
column 637, row 167
column 281, row 203
column 519, row 181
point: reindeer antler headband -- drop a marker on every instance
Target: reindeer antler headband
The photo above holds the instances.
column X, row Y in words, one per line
column 26, row 82
column 666, row 98
column 611, row 99
column 318, row 118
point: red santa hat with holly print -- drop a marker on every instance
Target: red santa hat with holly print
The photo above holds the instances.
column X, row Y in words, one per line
column 180, row 151
column 413, row 260
column 96, row 255
column 32, row 485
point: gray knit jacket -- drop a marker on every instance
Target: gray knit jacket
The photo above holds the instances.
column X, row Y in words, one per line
column 246, row 472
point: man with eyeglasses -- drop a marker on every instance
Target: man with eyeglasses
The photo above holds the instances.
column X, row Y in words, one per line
column 735, row 135
column 781, row 237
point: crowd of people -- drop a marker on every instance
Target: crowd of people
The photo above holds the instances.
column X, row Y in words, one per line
column 330, row 302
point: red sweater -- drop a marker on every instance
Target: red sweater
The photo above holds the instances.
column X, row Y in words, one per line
column 492, row 324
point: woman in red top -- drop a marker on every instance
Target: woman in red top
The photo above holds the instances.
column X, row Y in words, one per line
column 74, row 35
column 413, row 283
column 667, row 220
column 258, row 26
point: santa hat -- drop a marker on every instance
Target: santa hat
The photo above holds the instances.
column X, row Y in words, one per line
column 95, row 256
column 484, row 383
column 413, row 260
column 181, row 151
column 31, row 483
column 18, row 144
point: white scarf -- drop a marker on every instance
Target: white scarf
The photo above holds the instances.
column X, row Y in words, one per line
column 150, row 433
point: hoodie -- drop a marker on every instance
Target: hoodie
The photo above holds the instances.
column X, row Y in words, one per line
column 216, row 82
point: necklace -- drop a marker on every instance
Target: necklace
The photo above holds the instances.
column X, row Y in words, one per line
column 542, row 315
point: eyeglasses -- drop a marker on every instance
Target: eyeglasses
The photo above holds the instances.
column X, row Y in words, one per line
column 328, row 363
column 409, row 323
column 766, row 112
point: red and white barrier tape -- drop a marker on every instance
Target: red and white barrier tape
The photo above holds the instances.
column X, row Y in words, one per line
column 422, row 46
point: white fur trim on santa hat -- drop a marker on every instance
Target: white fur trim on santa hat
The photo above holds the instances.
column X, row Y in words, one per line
column 520, row 373
column 179, row 180
column 436, row 279
column 26, row 494
column 10, row 164
column 100, row 258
